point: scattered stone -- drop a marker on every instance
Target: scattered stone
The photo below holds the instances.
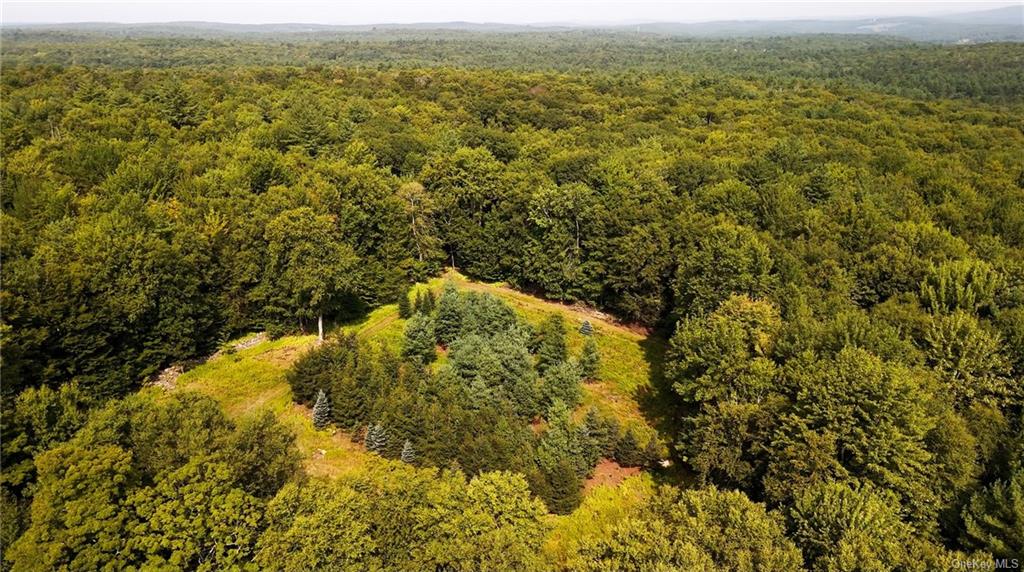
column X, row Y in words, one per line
column 167, row 378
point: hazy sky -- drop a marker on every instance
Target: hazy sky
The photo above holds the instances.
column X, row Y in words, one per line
column 505, row 11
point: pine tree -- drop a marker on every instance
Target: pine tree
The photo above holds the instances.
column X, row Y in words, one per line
column 994, row 518
column 428, row 303
column 564, row 486
column 603, row 432
column 627, row 450
column 448, row 323
column 321, row 410
column 586, row 329
column 418, row 304
column 370, row 440
column 376, row 439
column 408, row 453
column 590, row 360
column 382, row 439
column 404, row 307
column 552, row 350
column 651, row 453
column 419, row 339
column 562, row 382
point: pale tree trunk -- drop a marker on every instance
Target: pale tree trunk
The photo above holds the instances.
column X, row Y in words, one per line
column 320, row 328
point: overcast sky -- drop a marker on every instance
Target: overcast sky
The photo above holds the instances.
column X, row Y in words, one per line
column 503, row 11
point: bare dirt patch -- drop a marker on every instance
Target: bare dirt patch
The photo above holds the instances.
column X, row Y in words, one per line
column 610, row 473
column 282, row 357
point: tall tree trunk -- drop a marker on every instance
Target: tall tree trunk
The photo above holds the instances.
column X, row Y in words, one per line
column 320, row 328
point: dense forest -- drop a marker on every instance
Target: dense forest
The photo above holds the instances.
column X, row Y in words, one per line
column 825, row 236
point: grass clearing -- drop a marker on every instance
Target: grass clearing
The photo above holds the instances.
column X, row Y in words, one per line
column 252, row 380
column 248, row 381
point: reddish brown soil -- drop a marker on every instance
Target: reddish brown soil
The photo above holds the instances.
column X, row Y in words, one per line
column 608, row 472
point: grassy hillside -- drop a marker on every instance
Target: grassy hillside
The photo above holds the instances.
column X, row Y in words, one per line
column 252, row 379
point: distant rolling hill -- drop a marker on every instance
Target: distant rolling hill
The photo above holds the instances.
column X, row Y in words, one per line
column 1001, row 24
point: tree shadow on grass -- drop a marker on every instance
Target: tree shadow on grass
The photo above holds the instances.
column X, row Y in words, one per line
column 662, row 410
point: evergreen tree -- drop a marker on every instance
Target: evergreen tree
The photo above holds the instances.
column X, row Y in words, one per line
column 627, row 450
column 562, row 382
column 408, row 453
column 418, row 304
column 376, row 439
column 994, row 518
column 590, row 360
column 321, row 410
column 603, row 431
column 349, row 398
column 370, row 438
column 428, row 304
column 419, row 339
column 552, row 349
column 586, row 329
column 448, row 323
column 404, row 307
column 651, row 453
column 565, row 486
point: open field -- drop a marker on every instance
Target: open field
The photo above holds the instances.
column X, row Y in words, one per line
column 253, row 379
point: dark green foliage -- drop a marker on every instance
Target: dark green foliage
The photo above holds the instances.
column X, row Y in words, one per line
column 562, row 383
column 318, row 368
column 321, row 410
column 425, row 302
column 551, row 349
column 564, row 488
column 448, row 322
column 590, row 360
column 145, row 468
column 376, row 439
column 404, row 306
column 652, row 453
column 628, row 451
column 40, row 419
column 856, row 416
column 838, row 269
column 395, row 517
column 994, row 518
column 262, row 455
column 840, row 527
column 310, row 270
column 565, row 440
column 726, row 259
column 419, row 339
column 603, row 432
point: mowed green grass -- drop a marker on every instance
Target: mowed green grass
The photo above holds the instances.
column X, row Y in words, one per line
column 251, row 380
